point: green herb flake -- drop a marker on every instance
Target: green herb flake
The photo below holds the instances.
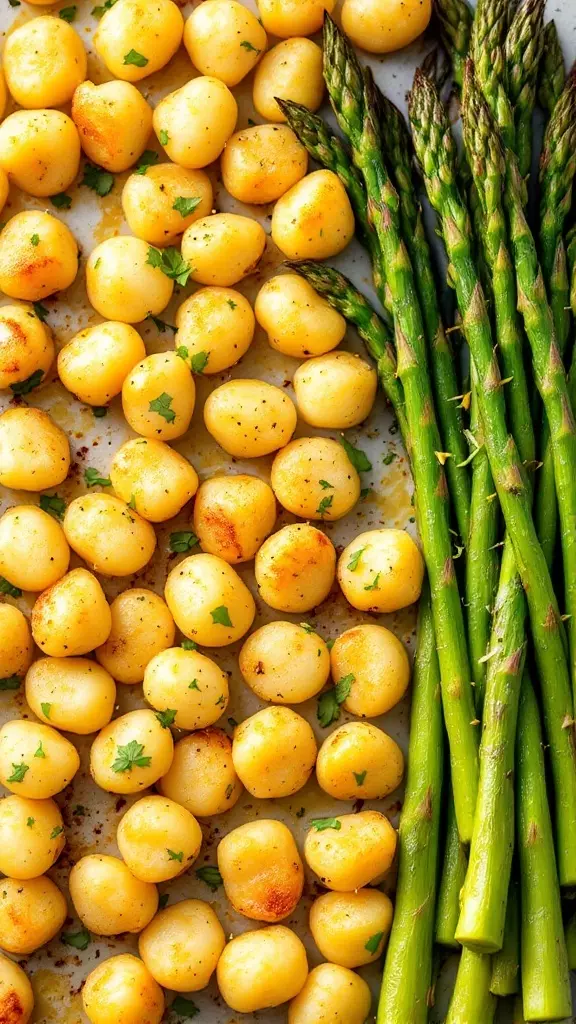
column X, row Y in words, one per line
column 175, row 856
column 30, row 822
column 329, row 702
column 199, row 362
column 41, row 311
column 194, row 685
column 365, row 493
column 373, row 942
column 321, row 824
column 374, row 584
column 100, row 181
column 325, row 485
column 166, row 718
column 387, row 459
column 132, row 503
column 39, row 752
column 184, row 1007
column 148, row 158
column 357, row 457
column 189, row 645
column 79, row 940
column 182, row 540
column 93, row 478
column 221, row 701
column 185, row 206
column 232, row 723
column 100, row 10
column 35, row 239
column 46, row 708
column 220, row 616
column 170, row 262
column 10, row 683
column 330, row 644
column 18, row 772
column 56, row 832
column 14, row 3
column 161, row 325
column 210, row 875
column 182, row 352
column 163, row 900
column 53, row 504
column 100, row 411
column 360, row 776
column 61, row 201
column 161, row 405
column 129, row 757
column 301, row 812
column 7, row 588
column 231, row 303
column 164, row 137
column 24, row 387
column 79, row 811
column 133, row 57
column 247, row 45
column 355, row 559
column 68, row 13
column 324, row 505
column 307, row 627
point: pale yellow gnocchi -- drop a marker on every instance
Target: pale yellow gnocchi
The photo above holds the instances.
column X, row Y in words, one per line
column 35, row 760
column 158, row 839
column 261, row 969
column 15, row 991
column 274, row 752
column 73, row 694
column 313, row 478
column 385, row 28
column 108, row 898
column 135, row 38
column 40, row 151
column 297, row 320
column 377, row 661
column 224, row 39
column 295, row 568
column 351, row 850
column 72, row 617
column 94, row 364
column 121, row 990
column 285, row 18
column 108, row 534
column 202, row 776
column 114, row 121
column 15, row 643
column 142, row 626
column 358, row 761
column 249, row 418
column 26, row 347
column 34, row 450
column 215, row 329
column 186, row 686
column 158, row 396
column 314, row 219
column 223, row 248
column 292, row 70
column 210, row 603
column 261, row 869
column 260, row 163
column 153, row 478
column 32, row 912
column 26, row 528
column 195, row 122
column 233, row 515
column 331, row 993
column 162, row 202
column 131, row 753
column 381, row 571
column 31, row 836
column 182, row 945
column 335, row 391
column 284, row 662
column 44, row 62
column 38, row 256
column 123, row 282
column 351, row 928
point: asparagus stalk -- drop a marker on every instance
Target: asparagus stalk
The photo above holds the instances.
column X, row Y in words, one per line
column 523, row 52
column 436, row 152
column 489, row 31
column 552, row 73
column 472, row 1001
column 570, row 934
column 455, row 19
column 451, row 882
column 506, row 963
column 406, row 985
column 544, row 965
column 356, row 111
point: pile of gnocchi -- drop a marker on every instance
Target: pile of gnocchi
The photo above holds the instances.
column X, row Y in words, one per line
column 165, row 572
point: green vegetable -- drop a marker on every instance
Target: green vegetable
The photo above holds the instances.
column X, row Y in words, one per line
column 133, row 57
column 321, row 824
column 129, row 757
column 182, row 540
column 93, row 478
column 221, row 616
column 170, row 262
column 162, row 405
column 100, row 181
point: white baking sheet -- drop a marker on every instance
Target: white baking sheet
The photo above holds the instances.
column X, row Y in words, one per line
column 57, row 971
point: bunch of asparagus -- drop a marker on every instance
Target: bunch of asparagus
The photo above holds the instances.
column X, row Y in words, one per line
column 487, row 852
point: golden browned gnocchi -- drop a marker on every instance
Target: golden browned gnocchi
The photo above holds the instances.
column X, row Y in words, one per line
column 314, row 478
column 165, row 200
column 195, row 122
column 122, row 283
column 261, row 869
column 35, row 760
column 131, row 753
column 336, row 390
column 351, row 850
column 223, row 248
column 158, row 839
column 260, row 164
column 3, row 92
column 292, row 70
column 31, row 836
column 158, row 396
column 297, row 320
column 108, row 534
column 44, row 61
column 186, row 685
column 332, row 994
column 16, row 995
column 155, row 479
column 358, row 761
column 351, row 928
column 314, row 219
column 122, row 991
column 34, row 451
column 209, row 601
column 108, row 898
column 38, row 256
column 295, row 17
column 4, row 188
column 378, row 662
column 72, row 617
column 284, row 662
column 73, row 694
column 202, row 776
column 224, row 39
column 274, row 752
column 94, row 364
column 215, row 329
column 26, row 528
column 381, row 571
column 40, row 151
column 15, row 643
column 261, row 969
column 182, row 946
column 249, row 418
column 26, row 346
column 32, row 912
column 142, row 626
column 381, row 28
column 295, row 568
column 114, row 121
column 135, row 38
column 233, row 515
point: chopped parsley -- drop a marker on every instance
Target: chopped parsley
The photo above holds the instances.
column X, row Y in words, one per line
column 164, row 137
column 194, row 685
column 184, row 1007
column 199, row 362
column 231, row 303
column 170, row 262
column 39, row 752
column 56, row 832
column 175, row 856
column 46, row 708
column 10, row 683
column 68, row 13
column 185, row 206
column 161, row 405
column 100, row 181
column 93, row 478
column 7, row 588
column 61, row 201
column 18, row 772
column 247, row 45
column 24, row 387
column 148, row 158
column 357, row 457
column 329, row 702
column 374, row 584
column 166, row 718
column 133, row 57
column 79, row 940
column 220, row 616
column 210, row 875
column 41, row 311
column 324, row 505
column 325, row 485
column 53, row 504
column 321, row 824
column 161, row 325
column 129, row 757
column 30, row 822
column 374, row 941
column 189, row 645
column 98, row 12
column 360, row 776
column 182, row 540
column 387, row 459
column 354, row 560
column 35, row 239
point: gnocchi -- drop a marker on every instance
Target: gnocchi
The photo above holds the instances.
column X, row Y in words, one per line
column 224, row 39
column 31, row 836
column 260, row 163
column 26, row 346
column 284, row 662
column 158, row 839
column 352, row 851
column 358, row 761
column 343, row 923
column 114, row 121
column 34, row 450
column 35, row 760
column 108, row 898
column 131, row 753
column 73, row 694
column 122, row 282
column 15, row 643
column 233, row 515
column 142, row 626
column 108, row 534
column 40, row 151
column 26, row 528
column 313, row 478
column 295, row 568
column 295, row 17
column 94, row 364
column 381, row 571
column 202, row 776
column 38, row 256
column 44, row 62
column 215, row 329
column 261, row 969
column 195, row 122
column 209, row 601
column 313, row 219
column 182, row 945
column 274, row 752
column 122, row 991
column 292, row 70
column 223, row 248
column 377, row 660
column 32, row 912
column 72, row 617
column 165, row 200
column 249, row 418
column 383, row 29
column 158, row 397
column 331, row 993
column 335, row 391
column 297, row 320
column 188, row 686
column 16, row 995
column 261, row 869
column 135, row 38
column 156, row 480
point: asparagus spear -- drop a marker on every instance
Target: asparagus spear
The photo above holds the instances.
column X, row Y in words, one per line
column 472, row 1000
column 455, row 19
column 523, row 51
column 552, row 73
column 451, row 882
column 545, row 979
column 570, row 934
column 356, row 111
column 436, row 153
column 407, row 977
column 489, row 31
column 506, row 963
